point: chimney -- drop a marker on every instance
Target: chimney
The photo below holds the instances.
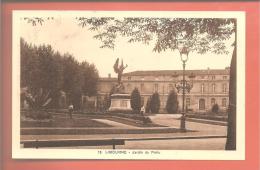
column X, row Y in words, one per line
column 109, row 75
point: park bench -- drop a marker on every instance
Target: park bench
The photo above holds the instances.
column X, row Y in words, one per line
column 70, row 143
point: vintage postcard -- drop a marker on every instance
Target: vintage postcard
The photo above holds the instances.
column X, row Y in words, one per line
column 138, row 85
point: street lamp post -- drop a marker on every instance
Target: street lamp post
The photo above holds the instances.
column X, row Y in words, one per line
column 183, row 127
column 183, row 85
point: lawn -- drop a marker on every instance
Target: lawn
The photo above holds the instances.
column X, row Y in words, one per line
column 128, row 119
column 83, row 124
column 63, row 122
column 60, row 120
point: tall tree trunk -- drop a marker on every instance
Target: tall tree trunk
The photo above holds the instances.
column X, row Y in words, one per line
column 231, row 131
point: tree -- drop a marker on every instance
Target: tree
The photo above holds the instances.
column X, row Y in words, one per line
column 135, row 100
column 45, row 72
column 155, row 103
column 172, row 102
column 90, row 78
column 148, row 106
column 79, row 79
column 108, row 99
column 73, row 81
column 41, row 73
column 201, row 35
column 231, row 131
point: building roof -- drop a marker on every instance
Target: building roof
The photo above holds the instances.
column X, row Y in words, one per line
column 107, row 79
column 177, row 72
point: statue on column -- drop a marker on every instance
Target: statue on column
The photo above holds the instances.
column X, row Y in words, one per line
column 119, row 70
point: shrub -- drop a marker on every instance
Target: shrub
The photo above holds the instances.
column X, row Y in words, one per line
column 136, row 101
column 172, row 102
column 107, row 99
column 43, row 115
column 148, row 106
column 146, row 120
column 215, row 108
column 38, row 115
column 155, row 103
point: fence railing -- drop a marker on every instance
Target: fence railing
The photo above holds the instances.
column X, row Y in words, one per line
column 70, row 143
column 103, row 142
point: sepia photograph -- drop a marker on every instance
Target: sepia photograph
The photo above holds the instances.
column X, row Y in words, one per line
column 128, row 85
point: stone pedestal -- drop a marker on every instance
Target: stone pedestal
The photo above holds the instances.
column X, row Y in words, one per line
column 120, row 103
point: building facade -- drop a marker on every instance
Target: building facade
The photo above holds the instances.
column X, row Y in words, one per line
column 210, row 86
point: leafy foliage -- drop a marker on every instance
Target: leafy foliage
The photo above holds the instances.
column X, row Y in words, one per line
column 41, row 71
column 172, row 102
column 155, row 103
column 36, row 20
column 39, row 101
column 95, row 24
column 107, row 98
column 148, row 106
column 200, row 34
column 45, row 72
column 90, row 78
column 136, row 101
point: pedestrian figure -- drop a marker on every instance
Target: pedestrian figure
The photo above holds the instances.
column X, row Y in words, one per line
column 70, row 110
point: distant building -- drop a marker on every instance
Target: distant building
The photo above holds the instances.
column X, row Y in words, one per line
column 210, row 86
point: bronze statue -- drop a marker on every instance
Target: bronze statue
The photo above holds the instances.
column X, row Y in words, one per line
column 119, row 88
column 119, row 70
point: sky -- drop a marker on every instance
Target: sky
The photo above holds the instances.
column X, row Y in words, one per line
column 66, row 36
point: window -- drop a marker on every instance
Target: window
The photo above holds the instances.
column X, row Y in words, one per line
column 213, row 88
column 156, row 87
column 224, row 88
column 213, row 77
column 213, row 101
column 202, row 104
column 187, row 102
column 202, row 88
column 129, row 78
column 142, row 87
column 224, row 77
column 224, row 102
column 202, row 77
